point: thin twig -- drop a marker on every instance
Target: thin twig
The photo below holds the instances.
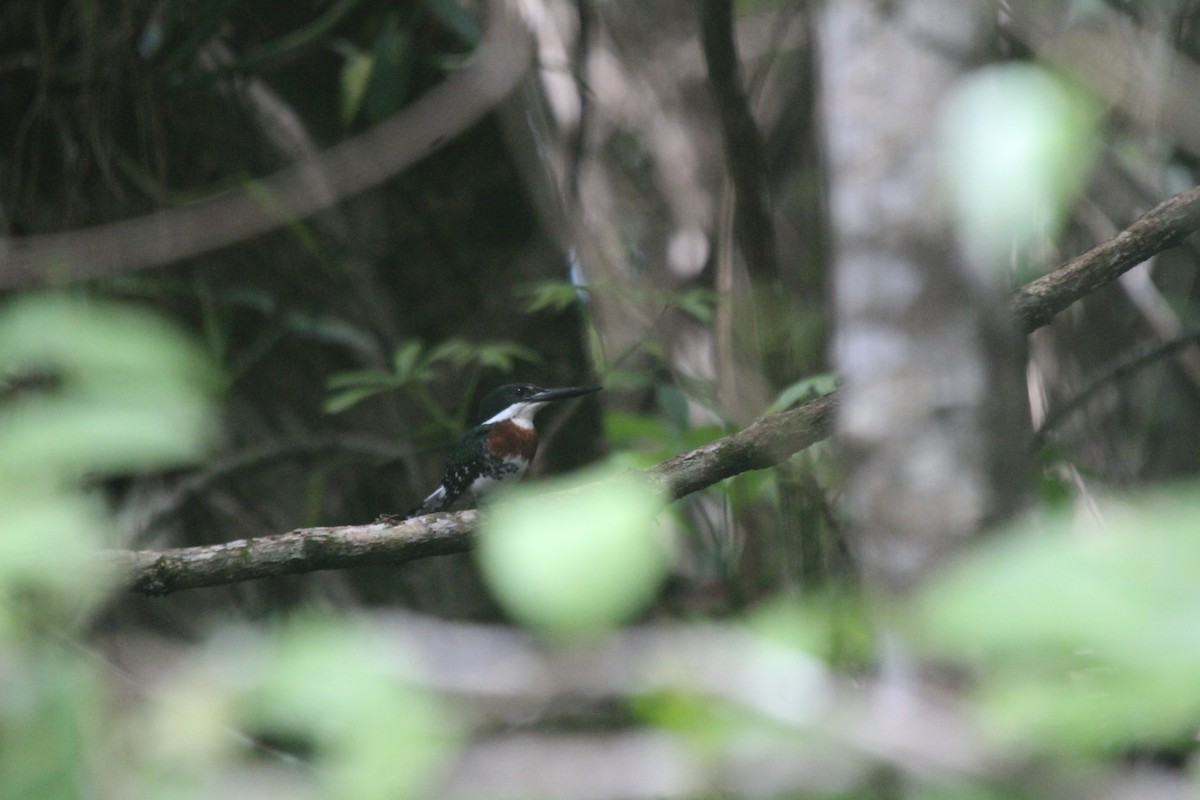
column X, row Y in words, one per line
column 1123, row 368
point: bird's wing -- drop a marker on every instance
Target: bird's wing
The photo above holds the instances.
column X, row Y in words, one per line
column 457, row 476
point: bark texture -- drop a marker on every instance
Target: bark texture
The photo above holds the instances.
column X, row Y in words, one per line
column 932, row 406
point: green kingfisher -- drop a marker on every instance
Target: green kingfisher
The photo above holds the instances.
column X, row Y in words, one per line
column 498, row 449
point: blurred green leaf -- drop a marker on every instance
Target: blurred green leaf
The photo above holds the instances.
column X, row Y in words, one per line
column 554, row 296
column 456, row 351
column 364, row 378
column 378, row 737
column 337, row 690
column 74, row 435
column 625, row 429
column 391, row 65
column 356, row 72
column 100, row 346
column 1087, row 636
column 803, row 389
column 1018, row 142
column 47, row 705
column 340, row 401
column 808, row 627
column 128, row 392
column 575, row 560
column 698, row 302
column 504, row 355
column 413, row 366
column 50, row 541
column 405, row 361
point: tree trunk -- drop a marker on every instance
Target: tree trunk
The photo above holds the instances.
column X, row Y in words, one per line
column 933, row 419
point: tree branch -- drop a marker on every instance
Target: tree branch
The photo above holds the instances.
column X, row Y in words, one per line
column 745, row 154
column 348, row 168
column 765, row 443
column 1036, row 303
column 157, row 572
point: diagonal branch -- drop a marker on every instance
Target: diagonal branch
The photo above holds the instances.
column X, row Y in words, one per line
column 351, row 167
column 765, row 443
column 1167, row 224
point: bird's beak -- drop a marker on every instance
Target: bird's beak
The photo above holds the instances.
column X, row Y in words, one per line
column 550, row 395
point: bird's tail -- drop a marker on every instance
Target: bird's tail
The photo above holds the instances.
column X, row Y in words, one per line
column 437, row 501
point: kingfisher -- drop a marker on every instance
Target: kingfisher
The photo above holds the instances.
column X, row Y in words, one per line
column 500, row 448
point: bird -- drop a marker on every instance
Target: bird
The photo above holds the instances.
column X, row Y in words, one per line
column 500, row 448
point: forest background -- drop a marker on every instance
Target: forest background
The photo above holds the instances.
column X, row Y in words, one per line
column 890, row 491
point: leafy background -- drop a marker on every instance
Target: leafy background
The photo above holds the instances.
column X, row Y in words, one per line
column 317, row 376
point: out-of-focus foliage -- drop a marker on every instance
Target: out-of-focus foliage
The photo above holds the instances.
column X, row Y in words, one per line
column 333, row 692
column 86, row 389
column 1018, row 141
column 804, row 389
column 1075, row 641
column 1083, row 637
column 415, row 367
column 92, row 389
column 579, row 560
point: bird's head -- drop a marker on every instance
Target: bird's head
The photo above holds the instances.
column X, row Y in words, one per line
column 520, row 401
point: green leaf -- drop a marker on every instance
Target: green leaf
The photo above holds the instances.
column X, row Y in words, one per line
column 339, row 402
column 356, row 72
column 698, row 302
column 47, row 707
column 129, row 392
column 71, row 436
column 133, row 391
column 100, row 346
column 391, row 65
column 504, row 355
column 50, row 540
column 554, row 296
column 579, row 559
column 1018, row 142
column 803, row 389
column 377, row 736
column 459, row 352
column 406, row 360
column 1096, row 645
column 366, row 378
column 624, row 429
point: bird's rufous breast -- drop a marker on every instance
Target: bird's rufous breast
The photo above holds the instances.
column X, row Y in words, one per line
column 510, row 440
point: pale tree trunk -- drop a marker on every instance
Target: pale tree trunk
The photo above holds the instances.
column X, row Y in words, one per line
column 933, row 419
